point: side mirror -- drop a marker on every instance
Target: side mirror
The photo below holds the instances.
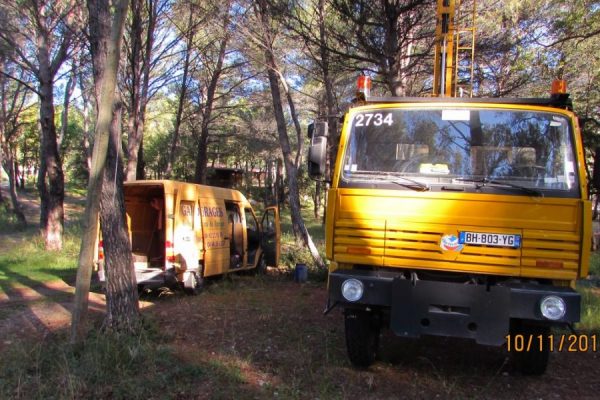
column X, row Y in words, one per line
column 317, row 128
column 317, row 156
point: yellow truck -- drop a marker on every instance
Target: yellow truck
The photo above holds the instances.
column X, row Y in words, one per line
column 181, row 233
column 456, row 217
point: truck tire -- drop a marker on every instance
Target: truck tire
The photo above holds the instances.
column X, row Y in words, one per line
column 362, row 337
column 534, row 361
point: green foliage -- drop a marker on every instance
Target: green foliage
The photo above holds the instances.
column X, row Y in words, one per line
column 595, row 264
column 105, row 366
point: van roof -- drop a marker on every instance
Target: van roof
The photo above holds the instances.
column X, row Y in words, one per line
column 171, row 186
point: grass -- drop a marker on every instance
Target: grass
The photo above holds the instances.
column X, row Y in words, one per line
column 590, row 309
column 291, row 253
column 8, row 221
column 595, row 264
column 106, row 366
column 29, row 264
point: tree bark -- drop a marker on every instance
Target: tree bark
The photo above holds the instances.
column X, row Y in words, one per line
column 52, row 190
column 105, row 44
column 64, row 117
column 12, row 103
column 182, row 96
column 122, row 307
column 51, row 177
column 14, row 198
column 140, row 61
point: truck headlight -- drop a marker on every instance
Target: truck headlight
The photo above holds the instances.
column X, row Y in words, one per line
column 553, row 307
column 352, row 289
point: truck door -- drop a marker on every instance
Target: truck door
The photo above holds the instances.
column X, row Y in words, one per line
column 271, row 236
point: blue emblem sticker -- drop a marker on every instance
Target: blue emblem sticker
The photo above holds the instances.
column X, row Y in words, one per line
column 451, row 243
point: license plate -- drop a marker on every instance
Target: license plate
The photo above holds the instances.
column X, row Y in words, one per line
column 490, row 239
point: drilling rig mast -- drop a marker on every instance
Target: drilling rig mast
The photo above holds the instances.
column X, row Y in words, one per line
column 454, row 49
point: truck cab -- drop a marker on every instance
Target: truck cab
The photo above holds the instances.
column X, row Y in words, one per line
column 182, row 233
column 456, row 217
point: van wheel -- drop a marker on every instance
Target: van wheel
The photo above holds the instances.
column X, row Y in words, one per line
column 362, row 337
column 534, row 361
column 194, row 284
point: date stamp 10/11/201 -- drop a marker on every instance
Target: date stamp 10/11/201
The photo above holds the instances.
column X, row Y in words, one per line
column 568, row 343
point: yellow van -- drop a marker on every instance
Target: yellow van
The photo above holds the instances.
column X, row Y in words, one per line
column 181, row 233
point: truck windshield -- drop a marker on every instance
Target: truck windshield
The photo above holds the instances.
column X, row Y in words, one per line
column 525, row 149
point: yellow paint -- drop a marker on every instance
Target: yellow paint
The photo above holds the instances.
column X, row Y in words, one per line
column 403, row 228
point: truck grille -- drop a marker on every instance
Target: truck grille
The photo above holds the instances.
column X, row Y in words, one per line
column 414, row 245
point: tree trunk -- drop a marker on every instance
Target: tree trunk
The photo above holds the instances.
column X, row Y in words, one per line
column 87, row 133
column 51, row 177
column 50, row 183
column 122, row 308
column 202, row 153
column 105, row 44
column 289, row 161
column 12, row 187
column 141, row 56
column 182, row 96
column 332, row 119
column 64, row 117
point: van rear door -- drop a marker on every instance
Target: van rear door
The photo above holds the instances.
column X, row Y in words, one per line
column 186, row 247
column 271, row 236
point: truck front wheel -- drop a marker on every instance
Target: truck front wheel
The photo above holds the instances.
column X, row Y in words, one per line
column 532, row 360
column 362, row 336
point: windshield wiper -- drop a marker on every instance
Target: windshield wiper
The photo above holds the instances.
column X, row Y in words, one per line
column 481, row 182
column 406, row 182
column 412, row 184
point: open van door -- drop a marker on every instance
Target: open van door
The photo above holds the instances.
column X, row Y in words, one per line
column 271, row 236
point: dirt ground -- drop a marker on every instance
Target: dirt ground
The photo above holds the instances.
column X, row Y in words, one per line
column 266, row 337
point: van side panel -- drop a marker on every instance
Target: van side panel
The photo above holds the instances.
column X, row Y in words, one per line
column 216, row 241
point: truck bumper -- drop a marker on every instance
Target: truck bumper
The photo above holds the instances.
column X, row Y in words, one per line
column 479, row 312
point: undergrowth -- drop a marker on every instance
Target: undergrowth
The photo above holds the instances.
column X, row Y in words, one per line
column 8, row 220
column 105, row 366
column 30, row 264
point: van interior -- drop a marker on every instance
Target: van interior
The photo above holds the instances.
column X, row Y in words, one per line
column 146, row 219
